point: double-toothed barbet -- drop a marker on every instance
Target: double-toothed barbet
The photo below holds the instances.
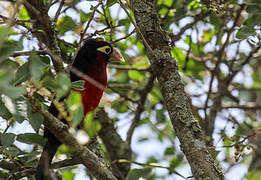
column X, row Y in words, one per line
column 91, row 60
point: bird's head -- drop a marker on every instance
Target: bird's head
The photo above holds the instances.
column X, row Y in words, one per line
column 93, row 56
column 93, row 48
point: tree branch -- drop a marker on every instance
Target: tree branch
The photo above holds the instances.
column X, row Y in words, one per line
column 116, row 147
column 143, row 95
column 45, row 33
column 186, row 127
column 81, row 153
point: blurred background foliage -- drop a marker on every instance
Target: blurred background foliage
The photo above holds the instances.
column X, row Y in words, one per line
column 216, row 45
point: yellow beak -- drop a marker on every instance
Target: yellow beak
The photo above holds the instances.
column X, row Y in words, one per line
column 116, row 56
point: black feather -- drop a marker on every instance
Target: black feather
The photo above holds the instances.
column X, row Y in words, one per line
column 84, row 62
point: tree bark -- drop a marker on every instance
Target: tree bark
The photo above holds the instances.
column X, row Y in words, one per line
column 97, row 168
column 44, row 29
column 172, row 88
column 115, row 146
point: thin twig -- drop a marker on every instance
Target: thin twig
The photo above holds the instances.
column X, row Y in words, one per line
column 58, row 11
column 197, row 18
column 220, row 54
column 10, row 21
column 128, row 35
column 126, row 86
column 137, row 28
column 151, row 166
column 97, row 32
column 245, row 107
column 124, row 96
column 127, row 68
column 20, row 174
column 188, row 52
column 140, row 108
column 88, row 78
column 28, row 53
column 88, row 24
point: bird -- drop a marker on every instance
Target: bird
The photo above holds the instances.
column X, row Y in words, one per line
column 91, row 60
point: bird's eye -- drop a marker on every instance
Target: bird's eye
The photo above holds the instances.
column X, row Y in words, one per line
column 105, row 49
column 108, row 50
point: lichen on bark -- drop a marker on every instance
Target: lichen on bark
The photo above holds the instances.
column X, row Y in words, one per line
column 172, row 88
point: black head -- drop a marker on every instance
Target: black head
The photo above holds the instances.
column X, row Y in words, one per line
column 93, row 47
column 88, row 54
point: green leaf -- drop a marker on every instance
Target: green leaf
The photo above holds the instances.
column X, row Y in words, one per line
column 91, row 125
column 19, row 118
column 253, row 20
column 31, row 138
column 4, row 112
column 29, row 158
column 151, row 160
column 3, row 34
column 8, row 47
column 64, row 85
column 136, row 75
column 22, row 74
column 174, row 162
column 163, row 11
column 122, row 77
column 245, row 32
column 13, row 92
column 78, row 85
column 7, row 139
column 66, row 49
column 36, row 67
column 110, row 3
column 22, row 109
column 75, row 108
column 6, row 77
column 36, row 120
column 254, row 175
column 49, row 82
column 3, row 174
column 9, row 64
column 136, row 174
column 160, row 116
column 143, row 139
column 84, row 16
column 68, row 175
column 215, row 20
column 169, row 151
column 45, row 59
column 178, row 54
column 121, row 107
column 23, row 14
column 65, row 23
column 11, row 151
column 253, row 8
column 123, row 22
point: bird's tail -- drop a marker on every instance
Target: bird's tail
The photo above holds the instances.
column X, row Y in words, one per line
column 49, row 150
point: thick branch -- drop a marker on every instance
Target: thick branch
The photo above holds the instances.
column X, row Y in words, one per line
column 44, row 29
column 172, row 88
column 9, row 165
column 116, row 147
column 87, row 157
